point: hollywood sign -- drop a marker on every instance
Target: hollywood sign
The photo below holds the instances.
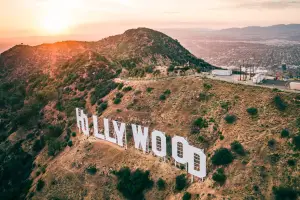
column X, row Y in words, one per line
column 182, row 152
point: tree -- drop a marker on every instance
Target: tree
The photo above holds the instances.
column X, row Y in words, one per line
column 133, row 184
column 237, row 148
column 285, row 133
column 187, row 196
column 181, row 182
column 161, row 184
column 219, row 176
column 279, row 103
column 40, row 184
column 252, row 111
column 230, row 119
column 222, row 156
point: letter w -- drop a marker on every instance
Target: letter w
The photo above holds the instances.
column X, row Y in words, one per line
column 140, row 137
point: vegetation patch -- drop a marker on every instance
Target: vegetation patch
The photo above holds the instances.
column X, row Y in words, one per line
column 181, row 182
column 279, row 103
column 219, row 176
column 133, row 184
column 237, row 148
column 230, row 119
column 252, row 111
column 222, row 156
column 161, row 184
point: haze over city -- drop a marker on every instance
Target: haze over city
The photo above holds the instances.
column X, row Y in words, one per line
column 92, row 19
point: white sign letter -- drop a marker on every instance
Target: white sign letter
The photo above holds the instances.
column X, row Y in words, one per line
column 179, row 149
column 197, row 162
column 96, row 132
column 82, row 122
column 119, row 132
column 140, row 137
column 159, row 146
column 106, row 132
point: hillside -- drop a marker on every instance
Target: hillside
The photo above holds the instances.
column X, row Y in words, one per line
column 43, row 156
column 136, row 48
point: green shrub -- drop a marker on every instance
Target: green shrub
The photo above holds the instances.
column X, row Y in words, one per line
column 167, row 92
column 73, row 134
column 285, row 133
column 119, row 95
column 237, row 148
column 181, row 182
column 219, row 176
column 38, row 144
column 222, row 137
column 80, row 87
column 133, row 184
column 40, row 184
column 230, row 119
column 102, row 107
column 252, row 111
column 207, row 86
column 296, row 142
column 117, row 101
column 171, row 68
column 285, row 193
column 161, row 184
column 291, row 163
column 92, row 170
column 149, row 89
column 222, row 156
column 54, row 131
column 54, row 146
column 279, row 103
column 187, row 196
column 271, row 143
column 127, row 89
column 70, row 143
column 120, row 86
column 201, row 123
column 162, row 97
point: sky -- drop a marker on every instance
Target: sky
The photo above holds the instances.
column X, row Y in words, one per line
column 24, row 18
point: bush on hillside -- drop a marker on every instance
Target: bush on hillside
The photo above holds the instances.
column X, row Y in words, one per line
column 54, row 146
column 187, row 196
column 162, row 97
column 40, row 185
column 230, row 119
column 133, row 184
column 91, row 169
column 70, row 143
column 207, row 86
column 271, row 143
column 285, row 133
column 117, row 101
column 279, row 103
column 181, row 182
column 284, row 192
column 149, row 89
column 161, row 184
column 102, row 107
column 222, row 156
column 219, row 176
column 127, row 89
column 237, row 148
column 120, row 86
column 252, row 111
column 296, row 142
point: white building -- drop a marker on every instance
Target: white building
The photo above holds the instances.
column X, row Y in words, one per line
column 295, row 85
column 219, row 72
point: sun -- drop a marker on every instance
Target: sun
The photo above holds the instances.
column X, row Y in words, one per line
column 56, row 17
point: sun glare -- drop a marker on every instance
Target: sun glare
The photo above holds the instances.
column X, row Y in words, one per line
column 56, row 18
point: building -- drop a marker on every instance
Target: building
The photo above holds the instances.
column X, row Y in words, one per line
column 258, row 78
column 219, row 72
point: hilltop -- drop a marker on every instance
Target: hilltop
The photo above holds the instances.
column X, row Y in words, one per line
column 42, row 156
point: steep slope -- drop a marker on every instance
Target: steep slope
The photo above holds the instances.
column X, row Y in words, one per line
column 135, row 48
